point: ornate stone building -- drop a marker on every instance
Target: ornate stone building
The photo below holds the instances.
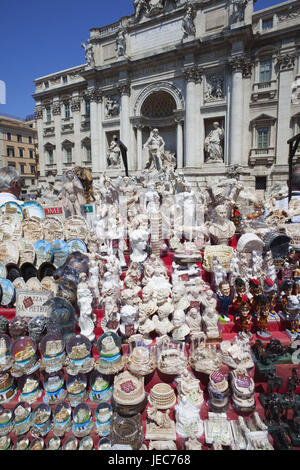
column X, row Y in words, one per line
column 219, row 81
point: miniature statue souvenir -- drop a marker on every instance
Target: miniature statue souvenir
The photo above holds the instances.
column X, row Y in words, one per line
column 262, row 319
column 225, row 299
column 82, row 420
column 292, row 311
column 189, row 387
column 54, row 386
column 6, row 422
column 41, row 420
column 171, row 356
column 22, row 418
column 77, row 389
column 62, row 419
column 80, row 360
column 84, row 301
column 5, row 353
column 101, row 388
column 138, row 242
column 24, row 357
column 244, row 318
column 201, row 358
column 73, row 196
column 128, row 321
column 222, row 229
column 162, row 396
column 210, row 322
column 240, row 291
column 242, row 388
column 127, row 431
column 164, row 309
column 188, row 422
column 237, row 354
column 110, row 351
column 29, row 386
column 181, row 330
column 194, row 321
column 142, row 358
column 218, row 389
column 286, row 288
column 129, row 396
column 270, row 291
column 159, row 425
column 179, row 297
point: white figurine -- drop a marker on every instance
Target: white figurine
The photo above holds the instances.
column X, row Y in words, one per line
column 84, row 301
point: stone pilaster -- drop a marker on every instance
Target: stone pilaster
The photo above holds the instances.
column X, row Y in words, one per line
column 75, row 108
column 125, row 134
column 192, row 75
column 94, row 96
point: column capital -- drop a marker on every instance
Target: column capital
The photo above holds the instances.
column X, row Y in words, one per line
column 286, row 61
column 38, row 111
column 75, row 104
column 192, row 73
column 124, row 87
column 56, row 108
column 242, row 64
column 94, row 94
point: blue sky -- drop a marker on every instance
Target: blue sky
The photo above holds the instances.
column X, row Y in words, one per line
column 38, row 38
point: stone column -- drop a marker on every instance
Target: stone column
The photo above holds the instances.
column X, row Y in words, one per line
column 102, row 157
column 124, row 89
column 93, row 96
column 139, row 145
column 59, row 157
column 42, row 162
column 75, row 108
column 240, row 67
column 179, row 121
column 192, row 75
column 285, row 63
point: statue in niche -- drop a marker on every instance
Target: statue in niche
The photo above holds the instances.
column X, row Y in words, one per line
column 114, row 154
column 156, row 146
column 112, row 107
column 121, row 43
column 238, row 12
column 214, row 88
column 89, row 54
column 214, row 144
column 188, row 25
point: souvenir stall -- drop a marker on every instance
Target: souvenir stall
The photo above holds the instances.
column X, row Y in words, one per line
column 153, row 316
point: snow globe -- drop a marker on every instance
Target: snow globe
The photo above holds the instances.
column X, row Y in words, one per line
column 82, row 420
column 30, row 388
column 41, row 418
column 53, row 355
column 86, row 443
column 6, row 422
column 101, row 389
column 54, row 443
column 103, row 416
column 55, row 391
column 22, row 418
column 37, row 444
column 110, row 349
column 79, row 350
column 5, row 354
column 77, row 389
column 62, row 422
column 71, row 444
column 7, row 387
column 22, row 443
column 24, row 357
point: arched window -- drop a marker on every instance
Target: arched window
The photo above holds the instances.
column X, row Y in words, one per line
column 159, row 104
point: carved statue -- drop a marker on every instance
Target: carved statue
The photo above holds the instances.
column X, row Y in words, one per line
column 112, row 107
column 114, row 154
column 187, row 25
column 141, row 6
column 84, row 301
column 213, row 144
column 89, row 54
column 73, row 197
column 238, row 12
column 156, row 146
column 121, row 43
column 222, row 229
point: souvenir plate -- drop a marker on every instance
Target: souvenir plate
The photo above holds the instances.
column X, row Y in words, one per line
column 77, row 245
column 9, row 252
column 75, row 227
column 43, row 251
column 26, row 252
column 33, row 209
column 32, row 229
column 53, row 229
column 12, row 208
column 33, row 284
column 8, row 292
column 60, row 252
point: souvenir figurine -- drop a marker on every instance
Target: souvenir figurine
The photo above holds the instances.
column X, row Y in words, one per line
column 62, row 419
column 240, row 291
column 222, row 229
column 141, row 358
column 80, row 360
column 83, row 423
column 159, row 425
column 181, row 329
column 242, row 387
column 237, row 354
column 84, row 301
column 171, row 355
column 164, row 309
column 54, row 386
column 270, row 291
column 189, row 387
column 210, row 321
column 6, row 423
column 286, row 289
column 262, row 318
column 218, row 390
column 194, row 321
column 244, row 318
column 179, row 297
column 203, row 359
column 138, row 243
column 128, row 321
column 41, row 420
column 188, row 422
column 292, row 312
column 255, row 290
column 225, row 299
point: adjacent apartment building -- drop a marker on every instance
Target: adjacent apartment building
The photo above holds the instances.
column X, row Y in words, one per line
column 19, row 148
column 181, row 67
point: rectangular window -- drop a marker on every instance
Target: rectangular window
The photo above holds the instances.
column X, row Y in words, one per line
column 32, row 169
column 8, row 136
column 50, row 157
column 65, row 79
column 263, row 137
column 12, row 164
column 67, row 110
column 88, row 154
column 267, row 24
column 31, row 154
column 10, row 152
column 19, row 138
column 30, row 139
column 261, row 183
column 32, row 181
column 22, row 169
column 68, row 155
column 46, row 84
column 265, row 72
column 48, row 114
column 87, row 107
column 21, row 152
